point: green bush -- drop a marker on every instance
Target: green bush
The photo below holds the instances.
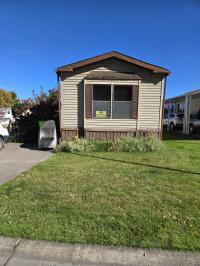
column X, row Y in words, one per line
column 126, row 144
column 77, row 144
column 80, row 145
column 100, row 145
column 138, row 144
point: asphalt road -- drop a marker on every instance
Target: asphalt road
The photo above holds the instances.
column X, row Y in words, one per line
column 16, row 158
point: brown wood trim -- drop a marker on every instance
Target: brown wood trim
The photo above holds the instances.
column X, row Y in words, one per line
column 88, row 100
column 105, row 133
column 111, row 134
column 69, row 128
column 111, row 75
column 69, row 134
column 113, row 54
column 135, row 100
column 106, row 118
column 122, row 129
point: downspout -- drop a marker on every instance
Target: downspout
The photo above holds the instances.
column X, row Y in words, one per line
column 163, row 107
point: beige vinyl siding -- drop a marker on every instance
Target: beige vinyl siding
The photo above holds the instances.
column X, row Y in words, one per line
column 114, row 82
column 69, row 105
column 72, row 91
column 72, row 98
column 150, row 96
column 111, row 123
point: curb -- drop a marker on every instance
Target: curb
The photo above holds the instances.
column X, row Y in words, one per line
column 22, row 252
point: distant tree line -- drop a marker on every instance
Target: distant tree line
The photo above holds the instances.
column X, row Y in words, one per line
column 6, row 98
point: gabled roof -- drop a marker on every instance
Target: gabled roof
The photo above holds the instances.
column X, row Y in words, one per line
column 73, row 66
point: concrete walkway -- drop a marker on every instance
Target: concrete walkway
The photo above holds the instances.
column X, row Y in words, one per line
column 21, row 252
column 16, row 158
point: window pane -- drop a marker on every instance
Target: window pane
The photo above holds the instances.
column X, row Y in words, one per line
column 101, row 109
column 122, row 101
column 121, row 109
column 122, row 93
column 101, row 92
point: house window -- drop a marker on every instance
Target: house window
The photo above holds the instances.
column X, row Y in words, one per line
column 122, row 100
column 101, row 101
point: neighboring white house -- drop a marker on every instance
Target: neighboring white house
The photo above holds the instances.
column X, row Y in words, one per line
column 6, row 116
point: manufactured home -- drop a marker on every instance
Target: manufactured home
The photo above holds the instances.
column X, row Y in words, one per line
column 111, row 95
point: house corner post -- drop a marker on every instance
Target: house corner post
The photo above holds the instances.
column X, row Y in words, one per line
column 163, row 107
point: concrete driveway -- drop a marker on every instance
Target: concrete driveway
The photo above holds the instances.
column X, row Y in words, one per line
column 16, row 158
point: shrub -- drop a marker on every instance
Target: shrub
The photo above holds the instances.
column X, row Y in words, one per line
column 6, row 99
column 43, row 107
column 72, row 145
column 141, row 144
column 126, row 144
column 80, row 145
column 100, row 145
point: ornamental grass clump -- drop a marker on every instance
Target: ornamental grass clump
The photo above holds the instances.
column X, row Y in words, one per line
column 81, row 145
column 75, row 145
column 138, row 144
column 100, row 145
column 125, row 144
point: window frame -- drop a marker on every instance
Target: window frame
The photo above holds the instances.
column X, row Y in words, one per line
column 112, row 84
column 130, row 102
column 94, row 117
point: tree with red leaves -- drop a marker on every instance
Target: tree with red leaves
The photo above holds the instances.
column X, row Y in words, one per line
column 42, row 107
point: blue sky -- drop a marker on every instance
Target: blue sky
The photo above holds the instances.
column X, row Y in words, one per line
column 36, row 36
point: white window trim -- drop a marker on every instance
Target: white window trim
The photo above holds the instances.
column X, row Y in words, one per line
column 111, row 82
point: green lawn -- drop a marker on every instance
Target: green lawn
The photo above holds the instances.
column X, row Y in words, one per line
column 79, row 199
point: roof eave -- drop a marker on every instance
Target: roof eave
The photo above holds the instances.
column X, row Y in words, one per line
column 152, row 68
column 68, row 68
column 166, row 72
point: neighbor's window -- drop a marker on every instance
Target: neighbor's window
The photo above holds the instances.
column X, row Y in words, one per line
column 122, row 101
column 101, row 101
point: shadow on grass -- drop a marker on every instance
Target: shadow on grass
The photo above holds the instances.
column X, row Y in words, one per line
column 178, row 135
column 140, row 164
column 188, row 142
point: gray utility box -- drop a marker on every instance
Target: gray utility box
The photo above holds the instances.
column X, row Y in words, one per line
column 47, row 138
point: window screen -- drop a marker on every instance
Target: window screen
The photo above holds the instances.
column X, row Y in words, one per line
column 122, row 101
column 101, row 101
